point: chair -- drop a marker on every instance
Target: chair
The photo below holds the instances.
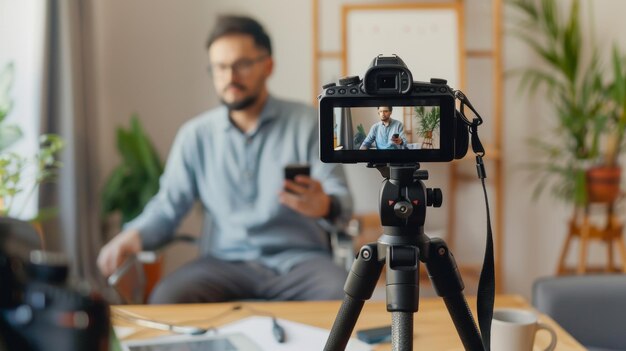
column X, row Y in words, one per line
column 340, row 243
column 592, row 308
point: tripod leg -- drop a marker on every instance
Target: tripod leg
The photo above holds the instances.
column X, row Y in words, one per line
column 444, row 274
column 359, row 287
column 402, row 331
column 402, row 293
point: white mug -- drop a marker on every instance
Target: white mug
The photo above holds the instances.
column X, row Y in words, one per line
column 515, row 329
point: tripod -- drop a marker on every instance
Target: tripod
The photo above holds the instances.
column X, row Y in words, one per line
column 401, row 247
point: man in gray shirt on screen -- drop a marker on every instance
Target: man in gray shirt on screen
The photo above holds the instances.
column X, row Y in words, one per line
column 265, row 241
column 388, row 133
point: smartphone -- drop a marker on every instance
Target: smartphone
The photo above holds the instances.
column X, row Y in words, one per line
column 396, row 135
column 292, row 170
column 375, row 335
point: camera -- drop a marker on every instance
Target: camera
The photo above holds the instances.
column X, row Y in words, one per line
column 360, row 118
column 39, row 309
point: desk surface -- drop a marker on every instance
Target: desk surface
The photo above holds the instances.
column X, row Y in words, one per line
column 433, row 327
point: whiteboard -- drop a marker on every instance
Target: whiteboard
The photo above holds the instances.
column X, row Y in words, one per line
column 427, row 39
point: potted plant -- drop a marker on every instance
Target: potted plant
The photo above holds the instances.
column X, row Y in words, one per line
column 427, row 121
column 20, row 173
column 132, row 184
column 574, row 84
column 136, row 179
column 359, row 136
column 603, row 181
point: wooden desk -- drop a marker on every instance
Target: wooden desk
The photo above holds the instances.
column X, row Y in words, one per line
column 433, row 327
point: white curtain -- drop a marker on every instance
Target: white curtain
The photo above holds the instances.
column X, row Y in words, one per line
column 68, row 89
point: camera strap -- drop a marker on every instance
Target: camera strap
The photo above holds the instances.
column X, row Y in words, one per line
column 486, row 283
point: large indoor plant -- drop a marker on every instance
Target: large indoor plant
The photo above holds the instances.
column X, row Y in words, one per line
column 578, row 89
column 427, row 121
column 603, row 178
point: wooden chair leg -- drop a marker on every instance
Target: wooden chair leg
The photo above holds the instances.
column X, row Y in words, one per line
column 561, row 268
column 609, row 255
column 583, row 242
column 582, row 258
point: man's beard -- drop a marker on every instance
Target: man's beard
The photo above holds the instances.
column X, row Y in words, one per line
column 241, row 104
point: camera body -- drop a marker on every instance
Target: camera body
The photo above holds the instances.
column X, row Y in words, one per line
column 437, row 133
column 39, row 309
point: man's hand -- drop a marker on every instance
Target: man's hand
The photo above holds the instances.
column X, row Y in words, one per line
column 396, row 140
column 306, row 196
column 113, row 254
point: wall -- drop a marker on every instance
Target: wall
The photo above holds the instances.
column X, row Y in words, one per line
column 150, row 59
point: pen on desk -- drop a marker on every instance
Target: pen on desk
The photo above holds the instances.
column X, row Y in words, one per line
column 278, row 331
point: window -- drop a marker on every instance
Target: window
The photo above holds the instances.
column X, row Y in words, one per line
column 22, row 33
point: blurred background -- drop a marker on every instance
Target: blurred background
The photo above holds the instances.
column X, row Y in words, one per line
column 88, row 66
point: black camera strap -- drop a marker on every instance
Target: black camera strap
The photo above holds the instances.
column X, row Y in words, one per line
column 486, row 283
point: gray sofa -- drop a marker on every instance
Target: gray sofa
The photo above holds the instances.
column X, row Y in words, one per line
column 592, row 308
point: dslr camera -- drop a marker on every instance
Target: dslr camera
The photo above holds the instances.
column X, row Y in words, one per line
column 351, row 112
column 39, row 310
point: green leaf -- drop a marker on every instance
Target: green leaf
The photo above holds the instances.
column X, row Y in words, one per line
column 9, row 134
column 146, row 152
column 580, row 189
column 7, row 76
column 45, row 214
column 136, row 179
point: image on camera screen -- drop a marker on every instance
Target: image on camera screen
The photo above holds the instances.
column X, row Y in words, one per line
column 387, row 128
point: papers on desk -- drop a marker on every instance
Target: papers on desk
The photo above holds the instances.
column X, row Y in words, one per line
column 258, row 329
column 204, row 342
column 298, row 336
column 123, row 332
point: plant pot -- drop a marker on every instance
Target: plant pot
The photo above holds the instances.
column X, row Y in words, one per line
column 427, row 142
column 153, row 273
column 603, row 183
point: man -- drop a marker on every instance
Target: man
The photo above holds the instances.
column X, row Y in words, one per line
column 388, row 133
column 265, row 241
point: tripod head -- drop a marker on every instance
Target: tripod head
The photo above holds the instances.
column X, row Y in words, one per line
column 403, row 202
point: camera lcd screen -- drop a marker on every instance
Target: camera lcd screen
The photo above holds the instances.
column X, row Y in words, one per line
column 387, row 130
column 375, row 128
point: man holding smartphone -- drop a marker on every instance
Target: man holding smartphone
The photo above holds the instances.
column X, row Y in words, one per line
column 264, row 241
column 388, row 133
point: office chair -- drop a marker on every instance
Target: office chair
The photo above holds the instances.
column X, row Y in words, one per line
column 592, row 308
column 340, row 243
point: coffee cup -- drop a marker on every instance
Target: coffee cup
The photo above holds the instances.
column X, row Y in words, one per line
column 515, row 329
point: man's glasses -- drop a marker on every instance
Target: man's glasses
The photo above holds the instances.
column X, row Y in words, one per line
column 242, row 67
